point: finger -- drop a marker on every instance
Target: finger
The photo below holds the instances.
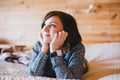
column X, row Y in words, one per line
column 55, row 36
column 60, row 35
column 64, row 35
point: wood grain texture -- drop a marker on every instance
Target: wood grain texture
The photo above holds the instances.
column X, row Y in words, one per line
column 20, row 20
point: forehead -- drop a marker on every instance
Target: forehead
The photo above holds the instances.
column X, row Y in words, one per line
column 52, row 19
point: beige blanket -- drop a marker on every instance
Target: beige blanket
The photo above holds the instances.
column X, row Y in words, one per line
column 15, row 71
column 104, row 64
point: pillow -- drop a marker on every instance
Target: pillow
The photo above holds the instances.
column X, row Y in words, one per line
column 104, row 61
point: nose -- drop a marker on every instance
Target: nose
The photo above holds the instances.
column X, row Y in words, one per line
column 46, row 28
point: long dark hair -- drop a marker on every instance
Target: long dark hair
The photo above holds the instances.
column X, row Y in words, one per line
column 69, row 25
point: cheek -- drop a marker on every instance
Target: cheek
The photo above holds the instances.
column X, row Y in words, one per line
column 53, row 33
column 42, row 33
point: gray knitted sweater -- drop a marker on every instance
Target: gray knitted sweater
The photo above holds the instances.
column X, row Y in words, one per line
column 69, row 66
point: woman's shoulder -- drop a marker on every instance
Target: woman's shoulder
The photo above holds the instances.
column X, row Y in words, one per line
column 79, row 46
column 77, row 51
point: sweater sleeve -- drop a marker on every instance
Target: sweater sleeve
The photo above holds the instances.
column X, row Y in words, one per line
column 73, row 67
column 37, row 63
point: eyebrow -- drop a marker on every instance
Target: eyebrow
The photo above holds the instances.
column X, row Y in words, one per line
column 52, row 22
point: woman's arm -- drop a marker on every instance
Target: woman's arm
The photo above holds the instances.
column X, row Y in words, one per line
column 72, row 67
column 37, row 63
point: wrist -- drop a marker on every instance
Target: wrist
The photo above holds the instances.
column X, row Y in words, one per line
column 44, row 49
column 56, row 53
column 52, row 50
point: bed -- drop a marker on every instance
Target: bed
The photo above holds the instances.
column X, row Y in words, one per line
column 103, row 60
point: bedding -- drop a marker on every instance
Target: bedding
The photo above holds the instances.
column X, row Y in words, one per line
column 103, row 61
column 15, row 71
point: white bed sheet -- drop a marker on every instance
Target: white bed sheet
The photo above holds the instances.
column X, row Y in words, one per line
column 104, row 62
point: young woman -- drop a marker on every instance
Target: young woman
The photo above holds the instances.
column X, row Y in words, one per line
column 59, row 52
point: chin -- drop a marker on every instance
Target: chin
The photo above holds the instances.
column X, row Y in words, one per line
column 47, row 41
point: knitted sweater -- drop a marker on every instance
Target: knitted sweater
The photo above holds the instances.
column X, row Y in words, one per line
column 69, row 66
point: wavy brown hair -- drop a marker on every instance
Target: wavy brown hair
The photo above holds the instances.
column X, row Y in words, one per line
column 69, row 25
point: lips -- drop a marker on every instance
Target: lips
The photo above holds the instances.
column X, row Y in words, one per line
column 47, row 35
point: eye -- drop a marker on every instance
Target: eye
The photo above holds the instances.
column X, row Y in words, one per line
column 52, row 25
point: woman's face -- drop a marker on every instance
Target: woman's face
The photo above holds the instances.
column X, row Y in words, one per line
column 52, row 25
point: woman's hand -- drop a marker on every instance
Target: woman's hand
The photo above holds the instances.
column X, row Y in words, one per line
column 58, row 40
column 45, row 46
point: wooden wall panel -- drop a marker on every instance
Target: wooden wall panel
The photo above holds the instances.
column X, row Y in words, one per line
column 20, row 20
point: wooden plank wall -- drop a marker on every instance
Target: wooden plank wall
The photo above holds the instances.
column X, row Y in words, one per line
column 20, row 19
